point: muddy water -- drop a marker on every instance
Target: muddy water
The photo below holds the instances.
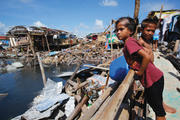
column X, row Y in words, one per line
column 22, row 86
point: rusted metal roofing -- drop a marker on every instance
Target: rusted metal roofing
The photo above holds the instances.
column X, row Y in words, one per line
column 18, row 30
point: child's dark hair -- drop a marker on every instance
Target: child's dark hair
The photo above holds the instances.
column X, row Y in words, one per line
column 130, row 24
column 147, row 21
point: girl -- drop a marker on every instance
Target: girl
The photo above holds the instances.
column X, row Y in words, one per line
column 151, row 77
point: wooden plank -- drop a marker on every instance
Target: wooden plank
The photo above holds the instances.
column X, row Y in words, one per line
column 111, row 109
column 124, row 115
column 95, row 106
column 101, row 109
column 78, row 108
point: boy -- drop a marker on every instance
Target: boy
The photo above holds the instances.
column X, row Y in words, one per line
column 148, row 27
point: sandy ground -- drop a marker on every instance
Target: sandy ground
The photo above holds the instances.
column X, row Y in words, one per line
column 171, row 95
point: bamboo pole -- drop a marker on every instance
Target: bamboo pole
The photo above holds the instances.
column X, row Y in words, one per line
column 111, row 109
column 112, row 22
column 160, row 14
column 111, row 41
column 42, row 69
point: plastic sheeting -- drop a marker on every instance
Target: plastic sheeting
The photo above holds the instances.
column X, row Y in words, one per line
column 44, row 104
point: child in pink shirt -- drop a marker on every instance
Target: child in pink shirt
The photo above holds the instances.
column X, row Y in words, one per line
column 138, row 59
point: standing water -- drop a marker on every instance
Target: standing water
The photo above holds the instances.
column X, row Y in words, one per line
column 22, row 86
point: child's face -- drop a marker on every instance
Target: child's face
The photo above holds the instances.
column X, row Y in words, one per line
column 122, row 31
column 148, row 31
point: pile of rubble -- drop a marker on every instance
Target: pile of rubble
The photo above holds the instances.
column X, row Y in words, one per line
column 92, row 52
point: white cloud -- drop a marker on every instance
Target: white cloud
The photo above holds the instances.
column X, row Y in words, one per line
column 81, row 30
column 39, row 24
column 109, row 3
column 82, row 25
column 3, row 28
column 147, row 7
column 98, row 24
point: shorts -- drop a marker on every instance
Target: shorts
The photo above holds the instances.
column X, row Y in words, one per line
column 154, row 96
column 155, row 37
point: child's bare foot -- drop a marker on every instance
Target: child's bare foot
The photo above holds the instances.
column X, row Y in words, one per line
column 169, row 109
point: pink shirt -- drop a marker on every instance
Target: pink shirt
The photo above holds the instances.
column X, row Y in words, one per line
column 152, row 73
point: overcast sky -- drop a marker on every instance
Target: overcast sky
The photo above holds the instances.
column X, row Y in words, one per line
column 77, row 16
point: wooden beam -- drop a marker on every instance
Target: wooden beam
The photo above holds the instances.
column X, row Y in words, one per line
column 101, row 109
column 124, row 115
column 111, row 109
column 78, row 108
column 42, row 69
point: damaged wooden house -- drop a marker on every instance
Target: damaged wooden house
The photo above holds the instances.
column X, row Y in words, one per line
column 40, row 38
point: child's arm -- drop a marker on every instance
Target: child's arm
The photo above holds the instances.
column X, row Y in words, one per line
column 145, row 61
column 149, row 51
column 147, row 48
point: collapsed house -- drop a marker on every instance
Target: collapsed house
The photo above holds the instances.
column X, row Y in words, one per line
column 40, row 38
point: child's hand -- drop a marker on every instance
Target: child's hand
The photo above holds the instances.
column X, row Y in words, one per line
column 139, row 73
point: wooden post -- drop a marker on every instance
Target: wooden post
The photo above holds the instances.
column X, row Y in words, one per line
column 136, row 14
column 111, row 109
column 136, row 10
column 31, row 44
column 47, row 42
column 42, row 69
